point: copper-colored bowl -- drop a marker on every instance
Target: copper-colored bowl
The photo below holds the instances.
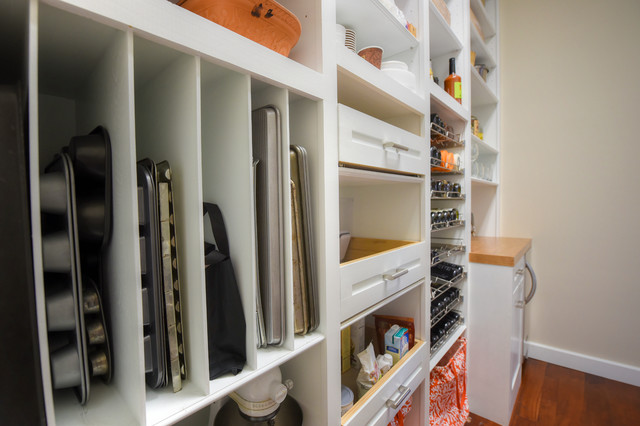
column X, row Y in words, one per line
column 266, row 22
column 372, row 54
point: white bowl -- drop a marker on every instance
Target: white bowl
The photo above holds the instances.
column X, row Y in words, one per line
column 394, row 65
column 404, row 77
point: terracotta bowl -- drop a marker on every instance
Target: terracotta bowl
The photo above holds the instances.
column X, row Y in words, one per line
column 266, row 22
column 372, row 54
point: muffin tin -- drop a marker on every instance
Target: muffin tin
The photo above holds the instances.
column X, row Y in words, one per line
column 75, row 200
column 162, row 314
column 62, row 277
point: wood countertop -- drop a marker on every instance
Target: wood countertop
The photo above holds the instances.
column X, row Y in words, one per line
column 501, row 251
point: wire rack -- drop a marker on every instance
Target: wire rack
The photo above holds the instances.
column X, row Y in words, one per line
column 439, row 286
column 443, row 138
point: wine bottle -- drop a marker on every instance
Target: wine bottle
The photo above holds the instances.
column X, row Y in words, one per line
column 453, row 83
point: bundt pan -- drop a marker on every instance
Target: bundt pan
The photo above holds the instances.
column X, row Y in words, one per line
column 266, row 22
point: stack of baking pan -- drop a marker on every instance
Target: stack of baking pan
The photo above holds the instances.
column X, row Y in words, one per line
column 161, row 308
column 305, row 292
column 75, row 202
column 268, row 187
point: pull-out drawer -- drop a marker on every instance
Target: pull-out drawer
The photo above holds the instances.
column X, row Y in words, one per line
column 368, row 280
column 381, row 403
column 367, row 141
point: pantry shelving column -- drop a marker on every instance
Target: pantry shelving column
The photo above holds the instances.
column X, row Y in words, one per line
column 449, row 131
column 382, row 151
column 485, row 147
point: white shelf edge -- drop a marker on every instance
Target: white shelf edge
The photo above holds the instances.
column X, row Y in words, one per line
column 486, row 94
column 483, row 182
column 371, row 309
column 192, row 34
column 481, row 13
column 445, row 348
column 348, row 175
column 445, row 100
column 199, row 402
column 480, row 47
column 457, row 44
column 372, row 77
column 484, row 146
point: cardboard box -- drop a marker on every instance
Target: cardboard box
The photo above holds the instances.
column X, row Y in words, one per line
column 396, row 342
column 443, row 9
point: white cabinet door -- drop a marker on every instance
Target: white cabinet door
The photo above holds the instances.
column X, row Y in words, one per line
column 367, row 281
column 517, row 318
column 367, row 141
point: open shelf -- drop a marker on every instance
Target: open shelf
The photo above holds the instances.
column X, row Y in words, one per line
column 442, row 39
column 482, row 182
column 445, row 105
column 481, row 93
column 483, row 147
column 367, row 89
column 375, row 26
column 480, row 11
column 483, row 54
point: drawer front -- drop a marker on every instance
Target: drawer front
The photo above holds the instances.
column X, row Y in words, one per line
column 366, row 282
column 367, row 141
column 381, row 407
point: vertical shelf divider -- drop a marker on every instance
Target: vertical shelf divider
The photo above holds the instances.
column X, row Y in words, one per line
column 168, row 128
column 226, row 164
column 108, row 101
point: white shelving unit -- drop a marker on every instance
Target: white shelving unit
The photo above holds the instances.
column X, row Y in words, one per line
column 170, row 85
column 485, row 100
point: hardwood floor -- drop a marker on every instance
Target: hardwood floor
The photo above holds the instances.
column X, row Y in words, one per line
column 551, row 395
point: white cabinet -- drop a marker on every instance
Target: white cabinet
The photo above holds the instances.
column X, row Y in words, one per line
column 496, row 312
column 171, row 85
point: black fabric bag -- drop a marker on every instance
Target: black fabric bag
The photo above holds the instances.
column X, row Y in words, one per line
column 225, row 318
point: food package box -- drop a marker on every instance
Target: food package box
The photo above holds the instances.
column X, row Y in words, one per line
column 345, row 348
column 396, row 342
column 444, row 10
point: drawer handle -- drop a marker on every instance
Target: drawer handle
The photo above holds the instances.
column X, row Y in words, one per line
column 520, row 304
column 395, row 403
column 395, row 275
column 520, row 271
column 395, row 145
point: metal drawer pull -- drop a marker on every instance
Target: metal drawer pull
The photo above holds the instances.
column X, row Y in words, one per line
column 395, row 145
column 395, row 403
column 520, row 271
column 395, row 275
column 520, row 304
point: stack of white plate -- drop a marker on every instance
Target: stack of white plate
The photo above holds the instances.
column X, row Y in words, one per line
column 350, row 39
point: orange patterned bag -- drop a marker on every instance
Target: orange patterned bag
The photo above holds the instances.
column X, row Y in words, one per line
column 448, row 401
column 398, row 420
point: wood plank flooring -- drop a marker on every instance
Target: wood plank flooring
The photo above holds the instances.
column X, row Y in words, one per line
column 551, row 395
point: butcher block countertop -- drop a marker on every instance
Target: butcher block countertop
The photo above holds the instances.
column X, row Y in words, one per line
column 501, row 251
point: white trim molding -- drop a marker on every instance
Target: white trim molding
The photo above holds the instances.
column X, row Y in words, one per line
column 585, row 363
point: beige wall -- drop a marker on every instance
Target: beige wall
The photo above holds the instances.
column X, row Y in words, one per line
column 570, row 138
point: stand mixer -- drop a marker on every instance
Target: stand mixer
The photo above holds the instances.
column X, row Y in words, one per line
column 264, row 400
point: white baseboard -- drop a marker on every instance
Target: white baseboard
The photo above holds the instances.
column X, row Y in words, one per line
column 588, row 364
